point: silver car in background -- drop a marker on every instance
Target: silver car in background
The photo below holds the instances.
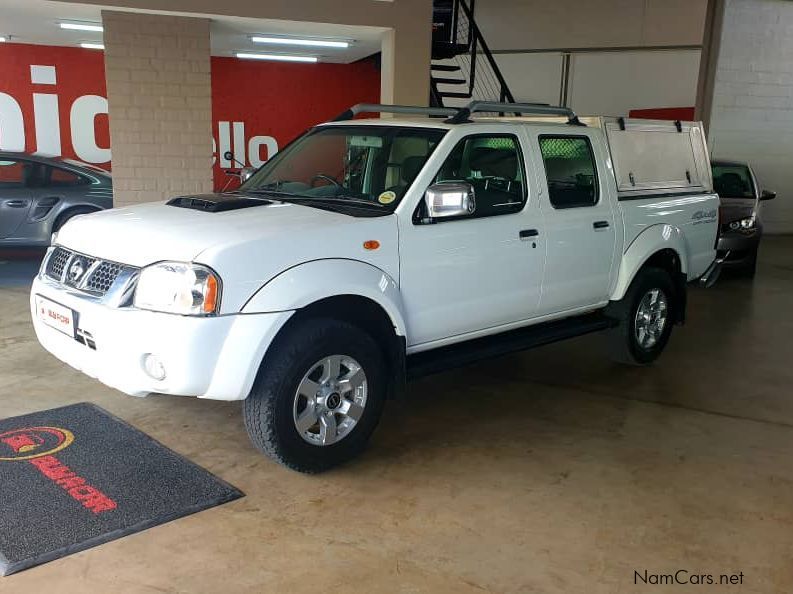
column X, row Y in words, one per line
column 38, row 194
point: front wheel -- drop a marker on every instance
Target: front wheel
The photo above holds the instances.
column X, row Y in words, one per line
column 644, row 318
column 318, row 396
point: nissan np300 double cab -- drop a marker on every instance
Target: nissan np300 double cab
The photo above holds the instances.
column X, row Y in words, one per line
column 369, row 250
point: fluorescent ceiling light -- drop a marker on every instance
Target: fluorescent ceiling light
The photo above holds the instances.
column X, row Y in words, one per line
column 99, row 46
column 82, row 27
column 280, row 57
column 296, row 41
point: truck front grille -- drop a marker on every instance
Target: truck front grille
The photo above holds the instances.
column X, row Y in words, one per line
column 84, row 273
column 57, row 263
column 103, row 277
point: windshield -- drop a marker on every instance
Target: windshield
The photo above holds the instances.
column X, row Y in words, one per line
column 732, row 181
column 357, row 164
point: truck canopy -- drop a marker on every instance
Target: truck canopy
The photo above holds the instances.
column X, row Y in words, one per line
column 658, row 156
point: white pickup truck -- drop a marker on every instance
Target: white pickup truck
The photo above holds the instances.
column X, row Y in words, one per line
column 372, row 250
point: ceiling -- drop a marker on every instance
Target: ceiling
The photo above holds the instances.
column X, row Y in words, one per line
column 36, row 22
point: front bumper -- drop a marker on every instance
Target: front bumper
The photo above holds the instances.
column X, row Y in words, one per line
column 737, row 249
column 211, row 357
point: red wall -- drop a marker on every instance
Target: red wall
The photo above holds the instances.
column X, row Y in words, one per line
column 684, row 114
column 255, row 105
column 79, row 72
column 281, row 100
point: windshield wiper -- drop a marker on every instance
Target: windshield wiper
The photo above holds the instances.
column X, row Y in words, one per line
column 343, row 199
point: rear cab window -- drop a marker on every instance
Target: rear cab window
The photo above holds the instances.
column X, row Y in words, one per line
column 570, row 170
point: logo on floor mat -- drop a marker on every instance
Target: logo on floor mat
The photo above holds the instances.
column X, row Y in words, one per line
column 37, row 445
column 33, row 442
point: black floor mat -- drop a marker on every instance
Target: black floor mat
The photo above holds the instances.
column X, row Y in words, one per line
column 75, row 477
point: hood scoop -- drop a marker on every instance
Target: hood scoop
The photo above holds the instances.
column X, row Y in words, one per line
column 217, row 202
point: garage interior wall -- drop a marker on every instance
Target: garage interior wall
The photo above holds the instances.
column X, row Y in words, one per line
column 624, row 55
column 405, row 46
column 159, row 94
column 752, row 105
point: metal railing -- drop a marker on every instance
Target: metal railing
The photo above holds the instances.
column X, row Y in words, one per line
column 485, row 80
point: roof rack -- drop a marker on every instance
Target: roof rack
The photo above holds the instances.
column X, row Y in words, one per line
column 517, row 108
column 461, row 115
column 403, row 109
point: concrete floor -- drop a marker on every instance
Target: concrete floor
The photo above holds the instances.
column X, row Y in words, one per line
column 552, row 471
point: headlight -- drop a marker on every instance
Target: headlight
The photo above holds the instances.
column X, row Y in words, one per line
column 179, row 288
column 746, row 224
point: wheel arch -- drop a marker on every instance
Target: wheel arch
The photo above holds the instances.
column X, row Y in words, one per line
column 662, row 247
column 316, row 281
column 347, row 290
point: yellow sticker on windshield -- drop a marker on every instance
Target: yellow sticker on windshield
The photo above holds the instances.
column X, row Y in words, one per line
column 386, row 197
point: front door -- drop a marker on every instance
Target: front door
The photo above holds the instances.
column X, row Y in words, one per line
column 15, row 196
column 479, row 271
column 580, row 227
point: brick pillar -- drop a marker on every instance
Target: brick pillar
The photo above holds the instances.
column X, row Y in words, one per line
column 160, row 106
column 751, row 103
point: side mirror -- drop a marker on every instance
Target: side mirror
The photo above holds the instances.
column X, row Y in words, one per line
column 246, row 173
column 767, row 195
column 449, row 199
column 228, row 155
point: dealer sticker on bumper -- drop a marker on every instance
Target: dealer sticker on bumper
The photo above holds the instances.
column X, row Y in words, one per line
column 55, row 315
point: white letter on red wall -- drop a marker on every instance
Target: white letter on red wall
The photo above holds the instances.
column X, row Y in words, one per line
column 254, row 149
column 12, row 125
column 45, row 112
column 83, row 124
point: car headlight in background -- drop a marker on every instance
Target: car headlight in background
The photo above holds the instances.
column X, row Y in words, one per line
column 746, row 224
column 179, row 288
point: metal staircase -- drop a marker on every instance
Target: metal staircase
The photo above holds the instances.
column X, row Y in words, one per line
column 463, row 68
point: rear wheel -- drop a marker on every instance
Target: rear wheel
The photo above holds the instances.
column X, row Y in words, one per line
column 644, row 318
column 318, row 396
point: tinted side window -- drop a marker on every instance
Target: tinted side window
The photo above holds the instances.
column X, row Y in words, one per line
column 570, row 170
column 14, row 174
column 494, row 167
column 55, row 177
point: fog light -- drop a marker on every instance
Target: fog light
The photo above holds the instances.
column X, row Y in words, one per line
column 153, row 367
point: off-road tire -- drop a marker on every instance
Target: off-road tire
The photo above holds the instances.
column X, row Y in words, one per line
column 623, row 344
column 268, row 410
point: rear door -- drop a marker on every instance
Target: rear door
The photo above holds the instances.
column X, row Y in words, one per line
column 580, row 228
column 15, row 195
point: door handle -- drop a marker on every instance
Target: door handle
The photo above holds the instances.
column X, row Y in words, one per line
column 527, row 233
column 17, row 203
column 600, row 224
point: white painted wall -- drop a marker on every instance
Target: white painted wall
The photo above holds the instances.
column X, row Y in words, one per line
column 534, row 78
column 613, row 83
column 557, row 24
column 636, row 76
column 752, row 113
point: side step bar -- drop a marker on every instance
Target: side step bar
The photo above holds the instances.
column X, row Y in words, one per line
column 442, row 359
